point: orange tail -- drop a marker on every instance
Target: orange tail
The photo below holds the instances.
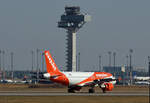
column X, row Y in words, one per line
column 50, row 64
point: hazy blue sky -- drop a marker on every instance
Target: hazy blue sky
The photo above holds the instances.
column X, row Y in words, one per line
column 117, row 26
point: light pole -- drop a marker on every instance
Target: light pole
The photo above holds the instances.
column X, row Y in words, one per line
column 32, row 65
column 130, row 56
column 79, row 61
column 149, row 66
column 12, row 71
column 127, row 68
column 3, row 54
column 100, row 63
column 0, row 65
column 37, row 70
column 114, row 55
column 37, row 51
column 109, row 53
column 43, row 61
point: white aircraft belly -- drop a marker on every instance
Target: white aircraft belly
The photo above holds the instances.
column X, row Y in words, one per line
column 77, row 77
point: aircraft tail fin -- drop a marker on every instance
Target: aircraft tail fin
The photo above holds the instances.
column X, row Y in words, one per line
column 50, row 64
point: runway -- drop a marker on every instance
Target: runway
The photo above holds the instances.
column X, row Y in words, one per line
column 33, row 93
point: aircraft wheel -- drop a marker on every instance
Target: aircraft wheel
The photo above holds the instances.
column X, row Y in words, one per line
column 104, row 90
column 91, row 91
column 71, row 91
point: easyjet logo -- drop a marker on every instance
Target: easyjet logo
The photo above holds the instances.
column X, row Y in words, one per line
column 101, row 75
column 50, row 61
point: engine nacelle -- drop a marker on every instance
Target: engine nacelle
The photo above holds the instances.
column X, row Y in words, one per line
column 109, row 86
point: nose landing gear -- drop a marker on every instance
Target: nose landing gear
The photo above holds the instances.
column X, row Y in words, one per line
column 104, row 90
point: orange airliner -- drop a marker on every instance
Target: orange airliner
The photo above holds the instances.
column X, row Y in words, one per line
column 76, row 80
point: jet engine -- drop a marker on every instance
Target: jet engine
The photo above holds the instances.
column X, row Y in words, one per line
column 107, row 87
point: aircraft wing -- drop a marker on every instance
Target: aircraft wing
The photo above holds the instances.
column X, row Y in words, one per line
column 104, row 80
column 99, row 81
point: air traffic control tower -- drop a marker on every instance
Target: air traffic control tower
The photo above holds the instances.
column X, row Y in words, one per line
column 72, row 20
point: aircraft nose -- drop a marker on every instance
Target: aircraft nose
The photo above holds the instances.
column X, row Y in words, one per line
column 114, row 80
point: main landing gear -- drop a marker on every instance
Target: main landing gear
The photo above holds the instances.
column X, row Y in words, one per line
column 71, row 90
column 91, row 90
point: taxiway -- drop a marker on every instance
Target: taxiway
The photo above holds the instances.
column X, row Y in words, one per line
column 33, row 93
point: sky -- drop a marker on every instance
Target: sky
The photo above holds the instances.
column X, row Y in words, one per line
column 116, row 25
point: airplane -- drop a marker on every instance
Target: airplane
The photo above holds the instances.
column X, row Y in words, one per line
column 76, row 80
column 142, row 83
column 142, row 78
